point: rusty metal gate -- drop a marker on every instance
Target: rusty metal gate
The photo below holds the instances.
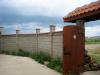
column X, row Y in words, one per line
column 73, row 50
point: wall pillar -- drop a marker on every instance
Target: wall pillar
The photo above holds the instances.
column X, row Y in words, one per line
column 1, row 30
column 52, row 29
column 17, row 39
column 37, row 38
column 0, row 40
column 82, row 24
column 17, row 32
column 37, row 31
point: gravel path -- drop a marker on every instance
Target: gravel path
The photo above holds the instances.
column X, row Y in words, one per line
column 14, row 65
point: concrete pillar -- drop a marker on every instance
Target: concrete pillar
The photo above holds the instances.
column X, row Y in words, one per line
column 17, row 31
column 80, row 23
column 0, row 33
column 17, row 39
column 37, row 37
column 52, row 29
column 1, row 30
column 0, row 40
column 37, row 31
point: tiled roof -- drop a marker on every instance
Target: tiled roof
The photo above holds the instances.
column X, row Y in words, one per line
column 84, row 9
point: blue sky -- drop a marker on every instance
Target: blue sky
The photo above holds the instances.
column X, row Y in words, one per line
column 28, row 15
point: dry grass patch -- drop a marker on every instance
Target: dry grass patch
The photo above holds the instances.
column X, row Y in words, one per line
column 95, row 54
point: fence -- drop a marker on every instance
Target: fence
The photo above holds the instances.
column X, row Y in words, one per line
column 50, row 42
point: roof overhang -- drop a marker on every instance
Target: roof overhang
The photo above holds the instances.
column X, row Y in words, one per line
column 87, row 13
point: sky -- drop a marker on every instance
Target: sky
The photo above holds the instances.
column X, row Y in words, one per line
column 27, row 15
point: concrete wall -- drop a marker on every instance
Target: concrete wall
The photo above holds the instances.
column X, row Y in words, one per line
column 46, row 42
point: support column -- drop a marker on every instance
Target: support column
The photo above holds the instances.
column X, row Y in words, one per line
column 52, row 29
column 80, row 23
column 82, row 32
column 0, row 40
column 17, row 32
column 17, row 39
column 1, row 30
column 37, row 38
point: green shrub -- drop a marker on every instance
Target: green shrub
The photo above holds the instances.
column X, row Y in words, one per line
column 13, row 52
column 55, row 64
column 73, row 73
column 4, row 52
column 41, row 57
column 21, row 52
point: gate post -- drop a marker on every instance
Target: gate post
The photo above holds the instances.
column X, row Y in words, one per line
column 80, row 23
column 73, row 49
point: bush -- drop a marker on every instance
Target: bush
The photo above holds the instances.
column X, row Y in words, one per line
column 21, row 52
column 55, row 64
column 41, row 57
column 5, row 52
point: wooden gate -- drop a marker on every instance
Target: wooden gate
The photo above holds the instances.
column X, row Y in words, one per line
column 73, row 50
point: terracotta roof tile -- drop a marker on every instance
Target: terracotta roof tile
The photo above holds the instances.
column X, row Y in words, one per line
column 84, row 9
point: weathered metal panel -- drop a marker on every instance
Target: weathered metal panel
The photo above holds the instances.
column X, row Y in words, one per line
column 73, row 51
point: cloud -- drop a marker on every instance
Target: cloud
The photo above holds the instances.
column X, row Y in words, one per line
column 28, row 28
column 31, row 14
column 15, row 18
column 37, row 10
column 92, row 23
column 31, row 28
column 43, row 7
column 93, row 31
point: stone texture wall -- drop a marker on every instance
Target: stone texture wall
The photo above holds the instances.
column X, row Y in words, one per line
column 46, row 42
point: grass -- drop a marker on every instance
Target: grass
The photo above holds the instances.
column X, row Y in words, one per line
column 53, row 63
column 92, row 41
column 41, row 57
column 95, row 54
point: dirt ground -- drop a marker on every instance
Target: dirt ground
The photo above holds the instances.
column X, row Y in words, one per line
column 15, row 65
column 91, row 73
column 92, row 46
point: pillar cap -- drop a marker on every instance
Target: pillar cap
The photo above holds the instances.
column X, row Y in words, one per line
column 52, row 25
column 1, row 29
